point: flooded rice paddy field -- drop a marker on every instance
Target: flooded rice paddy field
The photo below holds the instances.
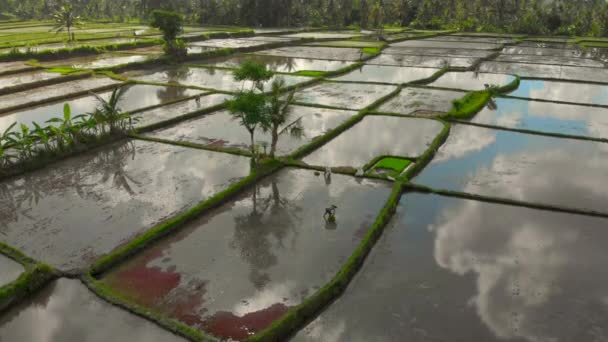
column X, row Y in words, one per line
column 444, row 268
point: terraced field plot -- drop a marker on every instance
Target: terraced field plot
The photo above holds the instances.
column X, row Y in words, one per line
column 401, row 206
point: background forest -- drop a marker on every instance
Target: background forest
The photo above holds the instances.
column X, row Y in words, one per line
column 571, row 17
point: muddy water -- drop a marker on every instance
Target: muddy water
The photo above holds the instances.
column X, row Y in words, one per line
column 326, row 35
column 523, row 50
column 348, row 43
column 279, row 64
column 205, row 77
column 520, row 166
column 344, row 95
column 242, row 266
column 563, row 91
column 26, row 78
column 485, row 40
column 375, row 136
column 546, row 117
column 12, row 66
column 423, row 61
column 341, row 54
column 143, row 96
column 449, row 269
column 387, row 74
column 421, row 101
column 447, row 45
column 70, row 213
column 66, row 311
column 471, row 80
column 9, row 270
column 53, row 91
column 171, row 111
column 220, row 129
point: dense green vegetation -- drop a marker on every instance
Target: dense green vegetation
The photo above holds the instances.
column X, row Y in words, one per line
column 564, row 17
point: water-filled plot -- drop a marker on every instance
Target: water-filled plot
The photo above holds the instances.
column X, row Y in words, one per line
column 447, row 45
column 238, row 268
column 421, row 101
column 343, row 95
column 96, row 62
column 229, row 43
column 48, row 93
column 464, row 39
column 471, row 80
column 205, row 77
column 423, row 61
column 172, row 111
column 563, row 91
column 486, row 272
column 325, row 35
column 278, row 63
column 28, row 78
column 67, row 311
column 220, row 129
column 71, row 212
column 524, row 167
column 9, row 270
column 551, row 60
column 559, row 72
column 376, row 136
column 442, row 52
column 348, row 43
column 387, row 74
column 537, row 51
column 340, row 54
column 546, row 117
column 136, row 97
column 13, row 66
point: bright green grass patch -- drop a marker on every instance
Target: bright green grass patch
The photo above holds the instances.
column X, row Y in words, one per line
column 394, row 164
column 371, row 50
column 470, row 104
column 311, row 73
column 592, row 44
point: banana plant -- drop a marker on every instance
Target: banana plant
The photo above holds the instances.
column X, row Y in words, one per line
column 41, row 134
column 109, row 110
column 6, row 140
column 23, row 142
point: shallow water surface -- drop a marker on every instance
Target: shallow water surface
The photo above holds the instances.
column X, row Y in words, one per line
column 561, row 72
column 471, row 80
column 376, row 136
column 205, row 77
column 522, row 167
column 66, row 311
column 343, row 95
column 546, row 117
column 220, row 129
column 26, row 78
column 387, row 74
column 71, row 212
column 449, row 269
column 563, row 91
column 229, row 43
column 53, row 91
column 551, row 60
column 9, row 270
column 424, row 43
column 421, row 101
column 342, row 54
column 240, row 267
column 442, row 52
column 168, row 112
column 423, row 61
column 278, row 63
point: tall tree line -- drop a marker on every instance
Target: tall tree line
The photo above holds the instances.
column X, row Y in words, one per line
column 571, row 17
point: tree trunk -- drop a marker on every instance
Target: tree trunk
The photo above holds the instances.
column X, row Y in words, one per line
column 251, row 135
column 275, row 141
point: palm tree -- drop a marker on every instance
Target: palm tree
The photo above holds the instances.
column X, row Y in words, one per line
column 65, row 19
column 278, row 114
column 109, row 113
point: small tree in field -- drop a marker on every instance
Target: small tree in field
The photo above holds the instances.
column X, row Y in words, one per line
column 65, row 20
column 171, row 25
column 249, row 105
column 279, row 111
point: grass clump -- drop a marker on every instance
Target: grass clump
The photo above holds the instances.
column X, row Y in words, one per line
column 371, row 50
column 392, row 164
column 469, row 105
column 311, row 73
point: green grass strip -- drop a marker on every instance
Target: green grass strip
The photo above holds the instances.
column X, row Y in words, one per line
column 163, row 229
column 297, row 317
column 393, row 163
column 430, row 152
column 35, row 276
column 469, row 105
